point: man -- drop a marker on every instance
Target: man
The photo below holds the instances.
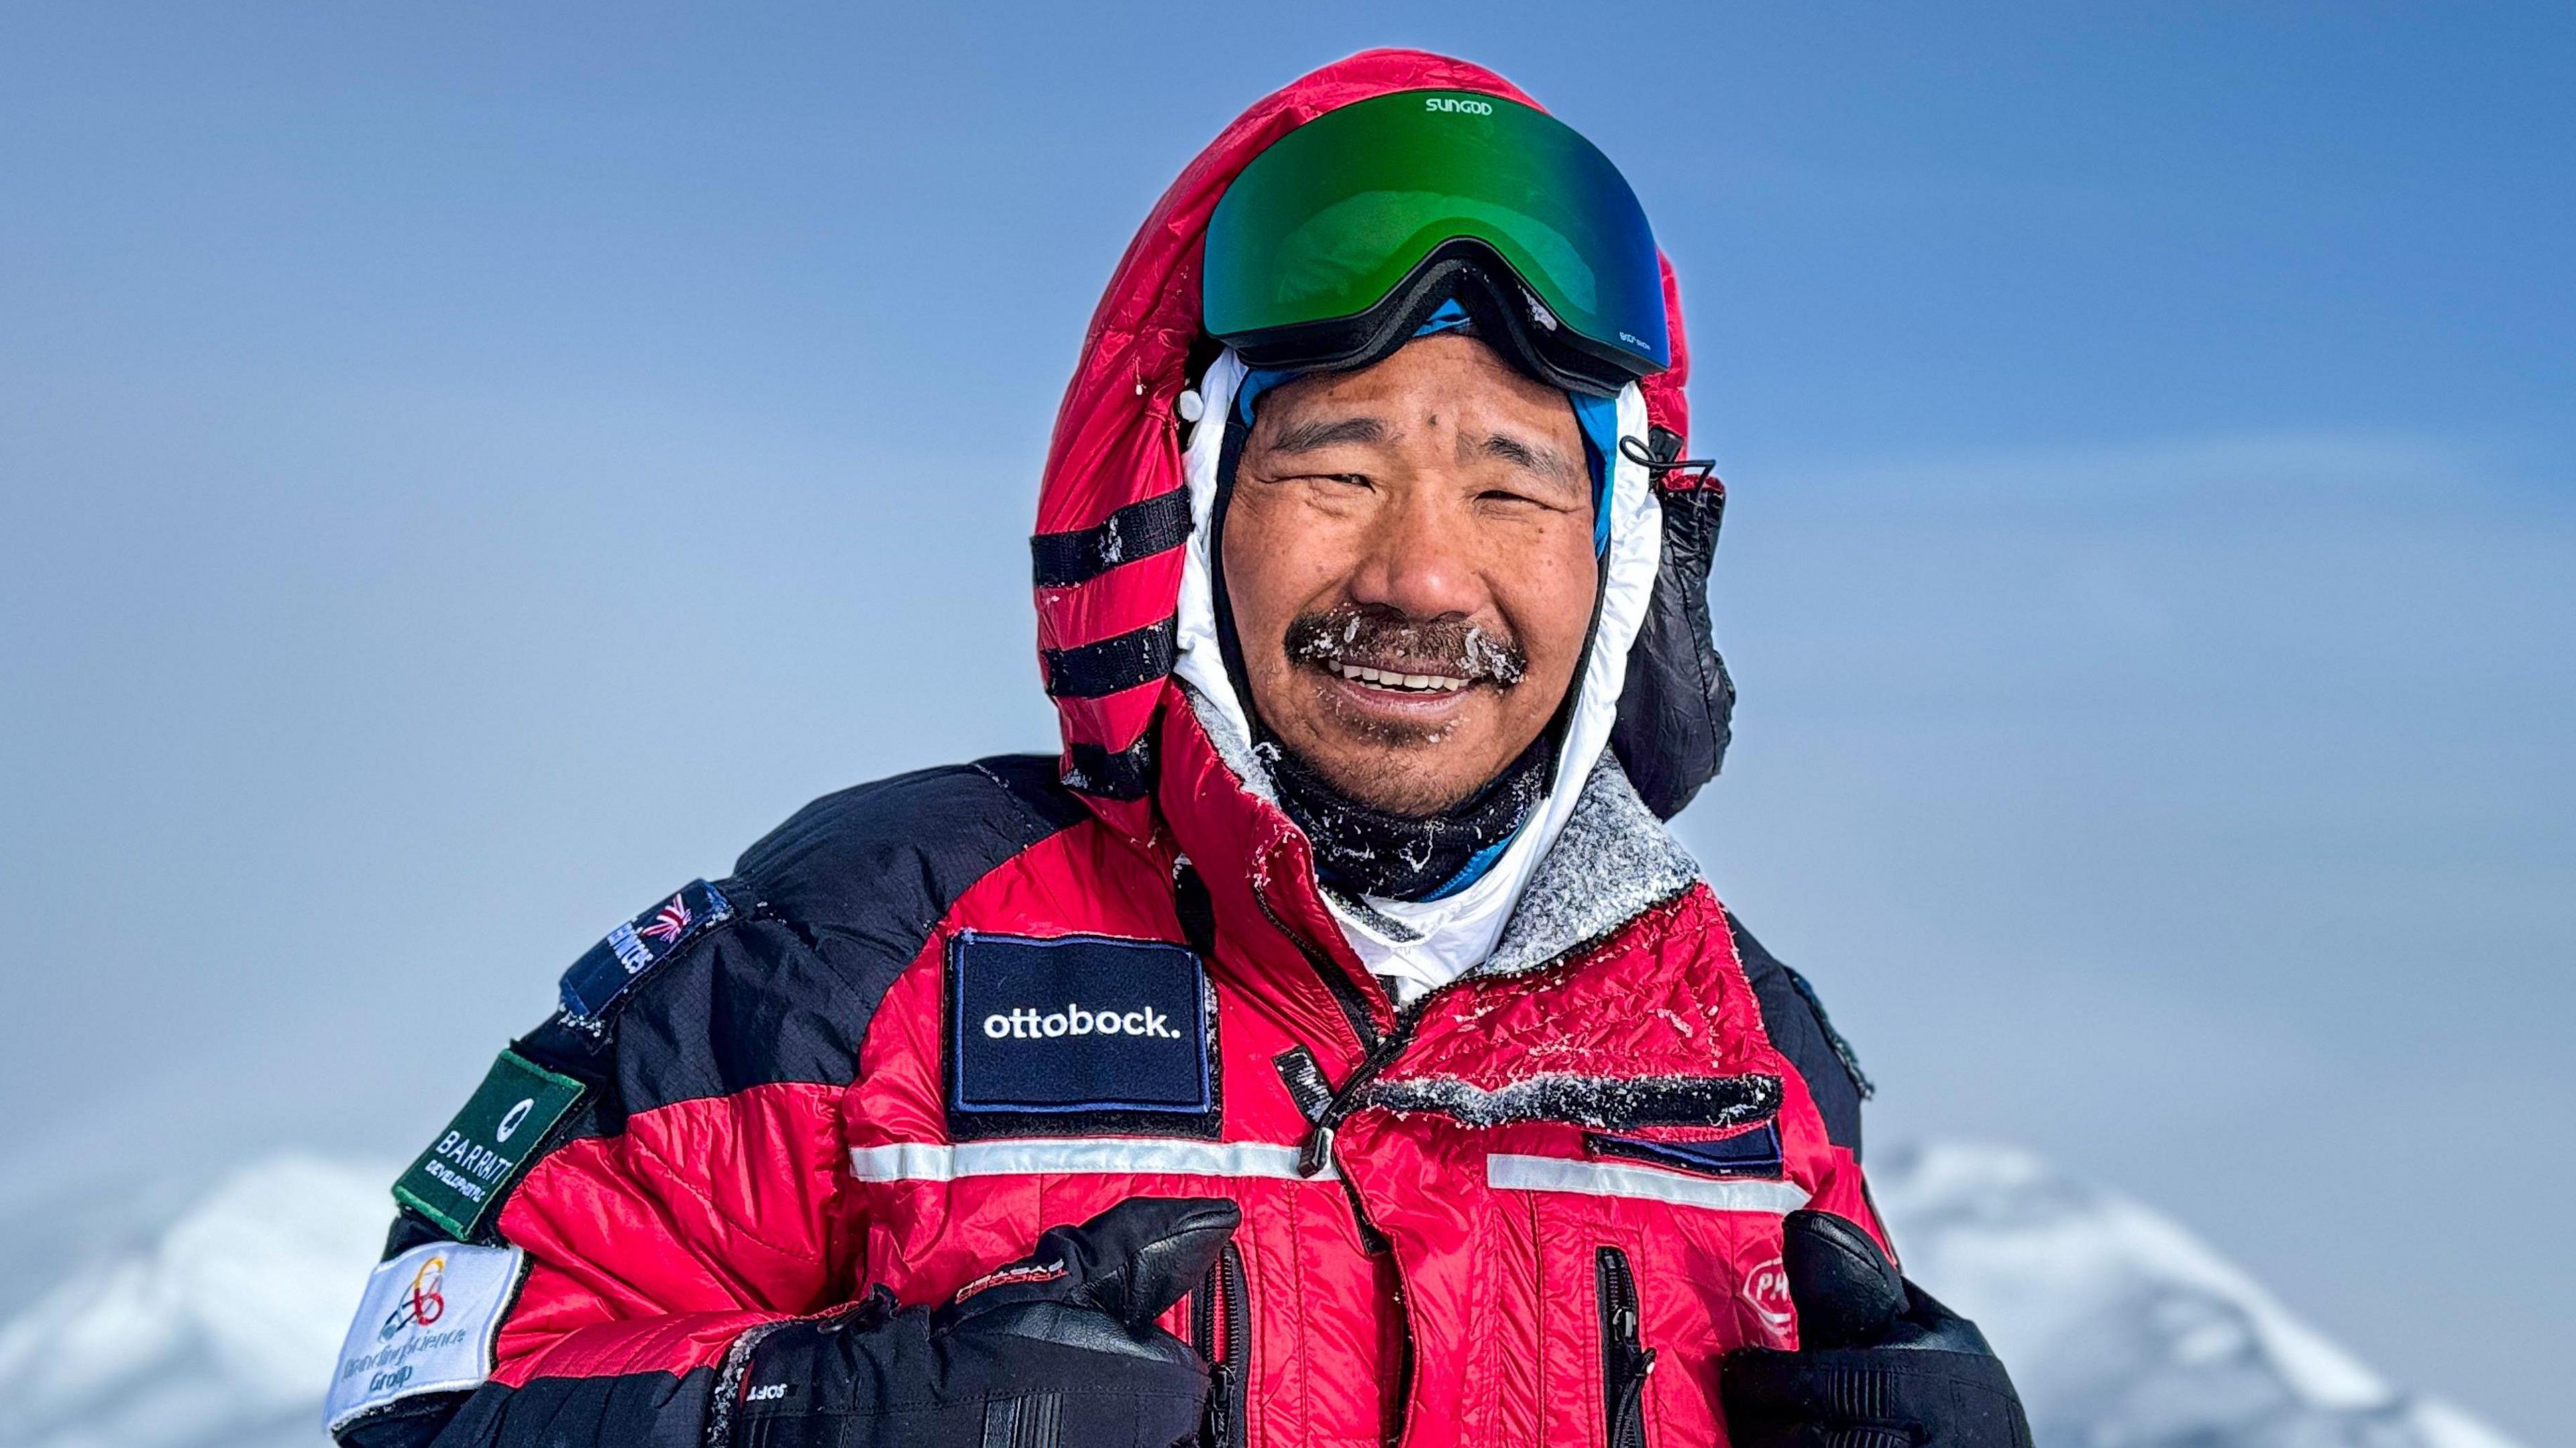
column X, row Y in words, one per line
column 1329, row 1045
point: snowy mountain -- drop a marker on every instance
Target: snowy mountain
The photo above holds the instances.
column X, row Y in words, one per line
column 218, row 1334
column 2123, row 1330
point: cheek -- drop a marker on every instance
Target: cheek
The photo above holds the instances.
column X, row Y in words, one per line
column 1546, row 596
column 1247, row 559
column 1279, row 557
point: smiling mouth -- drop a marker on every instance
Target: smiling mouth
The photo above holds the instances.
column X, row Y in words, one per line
column 1399, row 682
column 1385, row 665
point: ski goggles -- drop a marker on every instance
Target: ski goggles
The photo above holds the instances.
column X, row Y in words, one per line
column 1330, row 248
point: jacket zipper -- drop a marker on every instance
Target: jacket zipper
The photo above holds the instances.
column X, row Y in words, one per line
column 1221, row 1329
column 1355, row 1007
column 1317, row 1153
column 1625, row 1359
column 1378, row 1053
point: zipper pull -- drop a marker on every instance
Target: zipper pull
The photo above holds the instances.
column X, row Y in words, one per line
column 1317, row 1153
column 1220, row 1425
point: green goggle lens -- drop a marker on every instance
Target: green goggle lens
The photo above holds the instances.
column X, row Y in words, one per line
column 1334, row 216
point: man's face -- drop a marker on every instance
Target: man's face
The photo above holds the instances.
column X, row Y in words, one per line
column 1409, row 557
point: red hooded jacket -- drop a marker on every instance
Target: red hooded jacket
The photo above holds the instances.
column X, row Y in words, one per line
column 930, row 1017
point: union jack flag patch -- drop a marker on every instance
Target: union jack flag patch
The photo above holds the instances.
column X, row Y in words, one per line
column 609, row 969
column 669, row 921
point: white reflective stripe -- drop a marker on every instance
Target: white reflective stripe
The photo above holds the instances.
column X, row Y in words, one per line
column 1612, row 1179
column 1107, row 1155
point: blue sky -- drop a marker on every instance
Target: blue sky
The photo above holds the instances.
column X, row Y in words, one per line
column 470, row 470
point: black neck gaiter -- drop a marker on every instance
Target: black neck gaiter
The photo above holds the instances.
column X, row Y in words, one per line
column 1361, row 850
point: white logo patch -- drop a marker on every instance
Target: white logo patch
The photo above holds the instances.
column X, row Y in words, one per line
column 425, row 1325
column 1766, row 1291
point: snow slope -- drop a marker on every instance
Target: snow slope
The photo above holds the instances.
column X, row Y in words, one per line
column 2123, row 1330
column 219, row 1334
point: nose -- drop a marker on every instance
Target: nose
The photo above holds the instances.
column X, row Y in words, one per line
column 1419, row 559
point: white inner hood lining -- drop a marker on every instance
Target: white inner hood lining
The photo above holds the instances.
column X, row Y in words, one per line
column 1454, row 935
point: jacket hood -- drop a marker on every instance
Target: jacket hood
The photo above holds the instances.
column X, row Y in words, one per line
column 1115, row 568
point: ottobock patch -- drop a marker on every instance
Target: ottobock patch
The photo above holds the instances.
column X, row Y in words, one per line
column 609, row 969
column 1754, row 1153
column 425, row 1326
column 458, row 1183
column 1078, row 1034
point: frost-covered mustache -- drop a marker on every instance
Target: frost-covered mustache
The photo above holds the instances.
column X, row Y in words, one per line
column 1373, row 644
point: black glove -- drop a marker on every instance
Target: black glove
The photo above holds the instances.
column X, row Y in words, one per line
column 1058, row 1347
column 1881, row 1364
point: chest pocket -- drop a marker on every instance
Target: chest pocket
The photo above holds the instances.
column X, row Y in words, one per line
column 1645, row 1213
column 1078, row 1035
column 1657, row 1252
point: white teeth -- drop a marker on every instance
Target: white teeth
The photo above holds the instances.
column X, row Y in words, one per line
column 1388, row 679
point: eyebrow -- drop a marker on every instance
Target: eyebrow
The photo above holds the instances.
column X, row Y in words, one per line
column 1536, row 457
column 1302, row 437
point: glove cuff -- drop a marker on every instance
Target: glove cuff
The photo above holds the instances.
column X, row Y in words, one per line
column 728, row 1389
column 737, row 1359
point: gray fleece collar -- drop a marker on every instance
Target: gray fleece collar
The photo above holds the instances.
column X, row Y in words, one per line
column 1611, row 862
